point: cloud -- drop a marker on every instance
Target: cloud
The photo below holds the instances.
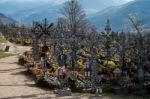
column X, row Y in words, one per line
column 50, row 0
column 122, row 1
column 54, row 1
column 43, row 1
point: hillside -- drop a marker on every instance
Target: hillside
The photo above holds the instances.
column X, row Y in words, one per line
column 26, row 12
column 6, row 20
column 119, row 15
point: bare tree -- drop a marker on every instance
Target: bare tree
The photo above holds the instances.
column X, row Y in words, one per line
column 75, row 16
column 139, row 40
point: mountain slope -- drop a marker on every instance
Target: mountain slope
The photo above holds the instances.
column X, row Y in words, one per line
column 93, row 6
column 52, row 11
column 36, row 14
column 26, row 12
column 6, row 20
column 119, row 15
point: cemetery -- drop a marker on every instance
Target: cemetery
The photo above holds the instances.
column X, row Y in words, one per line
column 83, row 63
column 44, row 54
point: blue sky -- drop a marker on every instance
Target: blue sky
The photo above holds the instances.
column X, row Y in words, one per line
column 22, row 9
column 53, row 1
column 15, row 5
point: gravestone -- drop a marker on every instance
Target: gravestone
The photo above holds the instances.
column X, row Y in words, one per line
column 73, row 58
column 62, row 59
column 63, row 92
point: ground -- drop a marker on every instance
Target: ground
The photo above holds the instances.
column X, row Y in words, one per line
column 16, row 83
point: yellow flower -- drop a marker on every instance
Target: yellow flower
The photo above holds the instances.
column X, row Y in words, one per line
column 80, row 63
column 110, row 64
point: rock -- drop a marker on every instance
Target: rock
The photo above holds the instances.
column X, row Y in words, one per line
column 63, row 92
column 12, row 49
column 9, row 48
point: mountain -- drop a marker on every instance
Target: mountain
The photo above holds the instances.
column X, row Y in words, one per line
column 52, row 11
column 38, row 14
column 6, row 20
column 119, row 15
column 92, row 6
column 26, row 12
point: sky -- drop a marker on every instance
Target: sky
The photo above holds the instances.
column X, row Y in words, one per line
column 21, row 5
column 52, row 1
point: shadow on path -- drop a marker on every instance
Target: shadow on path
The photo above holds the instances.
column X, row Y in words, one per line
column 10, row 70
column 51, row 95
column 27, row 96
column 25, row 73
column 31, row 78
column 8, row 63
column 30, row 85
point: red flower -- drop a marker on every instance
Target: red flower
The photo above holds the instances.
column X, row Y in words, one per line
column 37, row 71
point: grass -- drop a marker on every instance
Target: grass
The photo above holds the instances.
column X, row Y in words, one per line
column 2, row 40
column 3, row 54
